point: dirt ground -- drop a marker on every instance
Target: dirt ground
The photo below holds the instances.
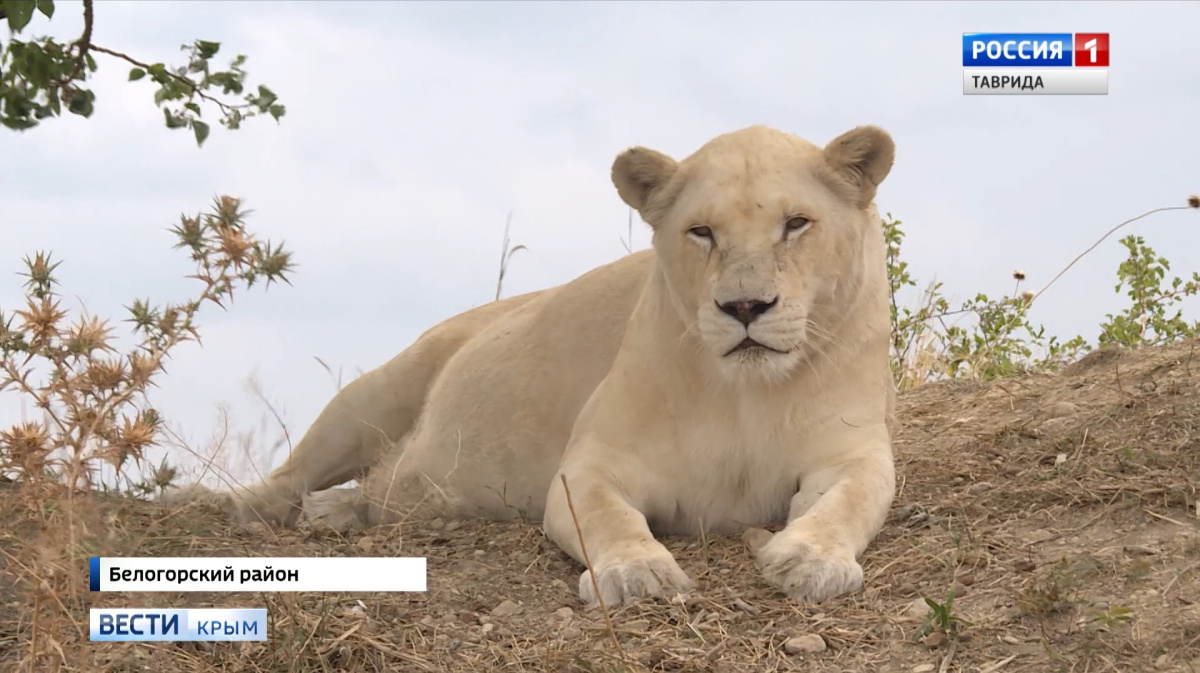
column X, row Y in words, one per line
column 1061, row 509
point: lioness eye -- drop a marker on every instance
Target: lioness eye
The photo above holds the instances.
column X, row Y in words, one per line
column 701, row 232
column 797, row 223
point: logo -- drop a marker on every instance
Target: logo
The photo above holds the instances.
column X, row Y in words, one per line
column 1035, row 63
column 177, row 625
column 1091, row 50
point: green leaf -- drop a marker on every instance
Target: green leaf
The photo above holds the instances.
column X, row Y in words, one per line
column 200, row 129
column 136, row 74
column 46, row 7
column 173, row 122
column 82, row 103
column 17, row 124
column 207, row 49
column 277, row 111
column 19, row 13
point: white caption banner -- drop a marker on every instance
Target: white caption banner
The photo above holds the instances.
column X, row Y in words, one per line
column 227, row 574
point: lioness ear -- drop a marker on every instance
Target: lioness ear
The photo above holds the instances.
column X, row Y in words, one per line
column 638, row 171
column 863, row 157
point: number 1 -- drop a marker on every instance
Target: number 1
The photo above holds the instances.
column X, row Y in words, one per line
column 1090, row 45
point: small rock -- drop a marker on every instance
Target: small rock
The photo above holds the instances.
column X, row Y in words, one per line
column 564, row 614
column 923, row 668
column 1011, row 640
column 366, row 544
column 918, row 609
column 572, row 632
column 479, row 553
column 453, row 526
column 935, row 640
column 979, row 487
column 957, row 481
column 559, row 584
column 1162, row 661
column 966, row 580
column 755, row 538
column 810, row 643
column 429, row 621
column 467, row 617
column 1061, row 409
column 960, row 590
column 506, row 609
column 1024, row 566
column 488, row 628
column 436, row 524
column 1060, row 459
column 636, row 625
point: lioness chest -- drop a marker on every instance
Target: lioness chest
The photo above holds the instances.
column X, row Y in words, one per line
column 733, row 468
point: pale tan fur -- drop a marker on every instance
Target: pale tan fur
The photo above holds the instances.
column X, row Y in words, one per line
column 623, row 380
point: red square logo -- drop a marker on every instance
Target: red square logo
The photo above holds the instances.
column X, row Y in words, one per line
column 1091, row 50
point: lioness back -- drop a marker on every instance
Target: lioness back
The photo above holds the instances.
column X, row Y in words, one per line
column 509, row 396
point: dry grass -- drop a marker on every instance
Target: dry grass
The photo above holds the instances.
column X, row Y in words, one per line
column 1064, row 507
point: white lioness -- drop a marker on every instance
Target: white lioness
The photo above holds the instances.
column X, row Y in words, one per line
column 735, row 375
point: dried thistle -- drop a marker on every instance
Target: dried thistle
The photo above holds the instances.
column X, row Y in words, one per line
column 88, row 389
column 26, row 447
column 1018, row 275
column 1193, row 201
column 41, row 318
column 105, row 375
column 87, row 335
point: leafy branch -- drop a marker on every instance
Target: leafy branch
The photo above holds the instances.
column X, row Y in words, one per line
column 41, row 77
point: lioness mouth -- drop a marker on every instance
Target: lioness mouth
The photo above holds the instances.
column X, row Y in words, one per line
column 749, row 343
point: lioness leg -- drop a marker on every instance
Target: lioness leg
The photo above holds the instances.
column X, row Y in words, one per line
column 346, row 440
column 833, row 518
column 629, row 563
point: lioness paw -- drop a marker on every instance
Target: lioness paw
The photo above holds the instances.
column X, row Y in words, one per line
column 241, row 508
column 336, row 509
column 177, row 496
column 806, row 573
column 626, row 582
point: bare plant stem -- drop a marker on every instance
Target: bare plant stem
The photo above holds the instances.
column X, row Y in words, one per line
column 1108, row 233
column 591, row 571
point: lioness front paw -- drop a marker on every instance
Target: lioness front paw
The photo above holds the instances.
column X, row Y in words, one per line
column 807, row 573
column 626, row 582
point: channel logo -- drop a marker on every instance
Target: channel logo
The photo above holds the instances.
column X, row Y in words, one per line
column 1035, row 63
column 177, row 625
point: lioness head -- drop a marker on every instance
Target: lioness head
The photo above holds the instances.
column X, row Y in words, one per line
column 760, row 235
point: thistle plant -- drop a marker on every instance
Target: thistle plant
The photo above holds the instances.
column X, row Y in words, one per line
column 92, row 396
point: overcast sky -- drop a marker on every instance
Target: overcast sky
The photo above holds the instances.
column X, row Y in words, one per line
column 413, row 129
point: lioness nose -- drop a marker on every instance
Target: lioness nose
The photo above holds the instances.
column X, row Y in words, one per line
column 747, row 310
